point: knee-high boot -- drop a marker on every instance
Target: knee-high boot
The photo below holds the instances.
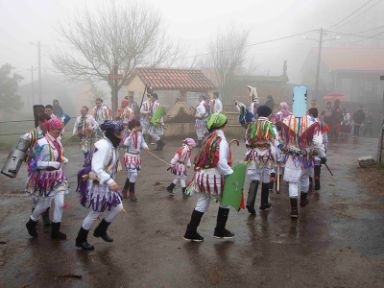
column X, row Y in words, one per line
column 170, row 188
column 191, row 232
column 31, row 227
column 101, row 231
column 132, row 195
column 272, row 182
column 55, row 232
column 264, row 199
column 220, row 231
column 81, row 240
column 294, row 209
column 252, row 196
column 303, row 199
column 126, row 188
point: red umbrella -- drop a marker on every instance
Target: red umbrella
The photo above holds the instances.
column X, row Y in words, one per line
column 334, row 95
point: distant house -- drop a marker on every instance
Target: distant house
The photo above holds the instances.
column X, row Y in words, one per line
column 355, row 72
column 171, row 85
column 276, row 86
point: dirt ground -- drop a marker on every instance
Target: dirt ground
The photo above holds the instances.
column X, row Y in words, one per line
column 337, row 241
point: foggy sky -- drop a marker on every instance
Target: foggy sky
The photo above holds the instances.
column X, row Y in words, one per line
column 190, row 23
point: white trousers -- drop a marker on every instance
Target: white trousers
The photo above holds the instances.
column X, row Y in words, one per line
column 182, row 179
column 92, row 216
column 45, row 202
column 303, row 184
column 203, row 201
column 132, row 175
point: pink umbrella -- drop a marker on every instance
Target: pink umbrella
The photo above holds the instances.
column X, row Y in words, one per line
column 334, row 95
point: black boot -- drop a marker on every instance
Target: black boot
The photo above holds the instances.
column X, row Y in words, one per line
column 252, row 197
column 185, row 196
column 55, row 232
column 132, row 195
column 272, row 182
column 81, row 240
column 191, row 232
column 170, row 188
column 303, row 199
column 264, row 201
column 317, row 176
column 101, row 231
column 125, row 189
column 31, row 227
column 294, row 210
column 220, row 231
column 160, row 145
column 45, row 217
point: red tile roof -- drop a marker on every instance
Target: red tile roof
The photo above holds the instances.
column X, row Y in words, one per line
column 174, row 79
column 354, row 59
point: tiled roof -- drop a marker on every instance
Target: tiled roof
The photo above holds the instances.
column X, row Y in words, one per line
column 354, row 59
column 172, row 79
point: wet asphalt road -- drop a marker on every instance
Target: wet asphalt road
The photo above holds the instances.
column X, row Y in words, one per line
column 337, row 241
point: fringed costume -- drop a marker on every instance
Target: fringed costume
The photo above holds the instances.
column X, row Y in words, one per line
column 179, row 164
column 261, row 142
column 101, row 194
column 133, row 145
column 211, row 166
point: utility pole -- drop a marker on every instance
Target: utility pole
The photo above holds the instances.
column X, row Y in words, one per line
column 33, row 87
column 316, row 95
column 39, row 71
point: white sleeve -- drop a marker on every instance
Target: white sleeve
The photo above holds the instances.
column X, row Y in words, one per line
column 144, row 144
column 219, row 107
column 318, row 143
column 100, row 156
column 143, row 109
column 75, row 126
column 94, row 123
column 222, row 166
column 175, row 159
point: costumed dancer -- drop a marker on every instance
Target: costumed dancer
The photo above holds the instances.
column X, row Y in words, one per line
column 85, row 127
column 33, row 136
column 279, row 116
column 254, row 100
column 317, row 164
column 302, row 140
column 156, row 129
column 211, row 166
column 47, row 179
column 146, row 114
column 101, row 112
column 102, row 193
column 202, row 112
column 133, row 144
column 261, row 141
column 179, row 164
column 124, row 113
column 216, row 106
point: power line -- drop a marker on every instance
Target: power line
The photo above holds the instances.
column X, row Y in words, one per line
column 352, row 14
column 255, row 44
column 355, row 35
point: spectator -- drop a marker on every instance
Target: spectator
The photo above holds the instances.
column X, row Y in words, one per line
column 57, row 110
column 270, row 102
column 358, row 119
column 368, row 125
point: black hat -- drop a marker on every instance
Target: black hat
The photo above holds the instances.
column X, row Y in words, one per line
column 264, row 111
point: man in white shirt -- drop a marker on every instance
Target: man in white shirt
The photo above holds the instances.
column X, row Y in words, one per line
column 216, row 104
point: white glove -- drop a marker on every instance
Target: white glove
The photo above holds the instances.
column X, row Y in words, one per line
column 65, row 160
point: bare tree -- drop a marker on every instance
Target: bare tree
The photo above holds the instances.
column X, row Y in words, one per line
column 114, row 39
column 226, row 55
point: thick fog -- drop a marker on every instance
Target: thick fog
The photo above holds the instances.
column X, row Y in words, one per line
column 278, row 31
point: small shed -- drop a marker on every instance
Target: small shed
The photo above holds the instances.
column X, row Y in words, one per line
column 172, row 85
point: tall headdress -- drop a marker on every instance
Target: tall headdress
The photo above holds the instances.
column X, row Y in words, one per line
column 299, row 101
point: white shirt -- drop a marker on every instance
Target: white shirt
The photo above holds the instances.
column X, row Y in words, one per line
column 104, row 161
column 222, row 166
column 217, row 106
column 201, row 111
column 83, row 123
